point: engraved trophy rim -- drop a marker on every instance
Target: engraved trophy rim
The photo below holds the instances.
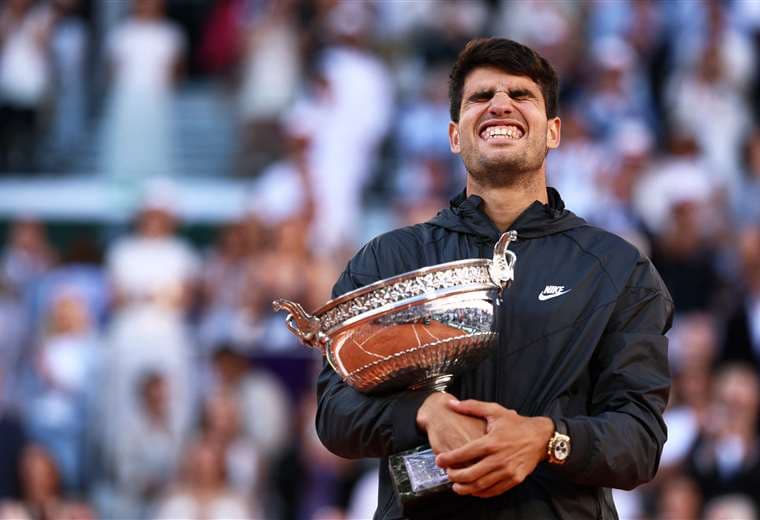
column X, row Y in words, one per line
column 407, row 302
column 392, row 280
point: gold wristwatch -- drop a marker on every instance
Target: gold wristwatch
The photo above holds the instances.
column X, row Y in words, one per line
column 558, row 449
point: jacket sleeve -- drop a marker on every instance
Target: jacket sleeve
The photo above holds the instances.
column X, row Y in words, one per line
column 351, row 424
column 619, row 444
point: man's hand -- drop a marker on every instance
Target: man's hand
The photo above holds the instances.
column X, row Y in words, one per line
column 446, row 428
column 510, row 451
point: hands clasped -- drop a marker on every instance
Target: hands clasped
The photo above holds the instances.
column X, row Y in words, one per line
column 486, row 449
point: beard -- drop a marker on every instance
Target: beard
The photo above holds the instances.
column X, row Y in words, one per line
column 511, row 168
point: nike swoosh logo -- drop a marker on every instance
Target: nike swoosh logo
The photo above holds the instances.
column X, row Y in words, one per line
column 543, row 297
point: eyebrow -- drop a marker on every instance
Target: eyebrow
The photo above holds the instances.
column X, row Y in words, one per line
column 489, row 92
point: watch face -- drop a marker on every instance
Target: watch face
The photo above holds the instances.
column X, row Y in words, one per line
column 561, row 449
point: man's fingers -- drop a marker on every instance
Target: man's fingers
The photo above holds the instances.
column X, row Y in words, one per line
column 474, row 407
column 474, row 450
column 472, row 473
column 490, row 484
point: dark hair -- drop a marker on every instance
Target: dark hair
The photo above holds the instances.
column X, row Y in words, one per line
column 510, row 57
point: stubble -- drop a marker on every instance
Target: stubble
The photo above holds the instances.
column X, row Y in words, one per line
column 517, row 169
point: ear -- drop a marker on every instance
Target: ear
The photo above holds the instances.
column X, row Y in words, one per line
column 553, row 132
column 454, row 137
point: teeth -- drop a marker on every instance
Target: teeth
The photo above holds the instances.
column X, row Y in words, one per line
column 509, row 131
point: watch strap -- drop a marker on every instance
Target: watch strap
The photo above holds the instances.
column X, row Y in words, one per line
column 560, row 426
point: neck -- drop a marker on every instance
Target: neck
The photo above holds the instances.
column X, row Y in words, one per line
column 503, row 204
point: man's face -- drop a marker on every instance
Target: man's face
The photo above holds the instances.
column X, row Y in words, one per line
column 503, row 131
column 155, row 222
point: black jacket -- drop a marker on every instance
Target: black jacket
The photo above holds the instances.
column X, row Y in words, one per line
column 595, row 356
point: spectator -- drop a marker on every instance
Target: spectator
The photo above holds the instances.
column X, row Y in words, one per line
column 271, row 73
column 686, row 259
column 25, row 81
column 153, row 273
column 225, row 271
column 204, row 491
column 27, row 256
column 68, row 49
column 285, row 190
column 289, row 269
column 345, row 129
column 427, row 166
column 150, row 452
column 145, row 56
column 549, row 27
column 673, row 199
column 632, row 146
column 222, row 425
column 42, row 496
column 679, row 499
column 724, row 459
column 577, row 168
column 708, row 87
column 693, row 350
column 309, row 481
column 153, row 267
column 80, row 269
column 61, row 387
column 618, row 92
column 742, row 332
column 259, row 398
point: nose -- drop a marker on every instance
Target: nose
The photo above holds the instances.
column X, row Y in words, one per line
column 500, row 104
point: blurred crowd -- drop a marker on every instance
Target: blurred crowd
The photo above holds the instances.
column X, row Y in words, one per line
column 143, row 375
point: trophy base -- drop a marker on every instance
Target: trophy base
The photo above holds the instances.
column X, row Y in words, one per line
column 415, row 475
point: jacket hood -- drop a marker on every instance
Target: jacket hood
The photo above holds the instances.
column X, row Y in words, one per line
column 466, row 216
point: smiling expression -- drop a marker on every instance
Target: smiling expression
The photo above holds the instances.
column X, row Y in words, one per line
column 503, row 132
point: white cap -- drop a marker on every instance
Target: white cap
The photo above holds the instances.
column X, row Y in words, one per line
column 159, row 194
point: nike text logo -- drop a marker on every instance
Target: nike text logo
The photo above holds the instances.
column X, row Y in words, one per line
column 552, row 291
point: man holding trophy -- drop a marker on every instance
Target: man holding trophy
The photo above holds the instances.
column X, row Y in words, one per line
column 568, row 401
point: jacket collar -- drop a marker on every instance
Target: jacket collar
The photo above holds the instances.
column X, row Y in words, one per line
column 465, row 215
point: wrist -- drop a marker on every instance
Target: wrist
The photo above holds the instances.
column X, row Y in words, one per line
column 434, row 401
column 544, row 432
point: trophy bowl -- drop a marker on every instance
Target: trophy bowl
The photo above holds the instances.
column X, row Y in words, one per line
column 414, row 330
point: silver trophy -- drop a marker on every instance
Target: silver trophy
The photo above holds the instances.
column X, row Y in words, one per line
column 416, row 330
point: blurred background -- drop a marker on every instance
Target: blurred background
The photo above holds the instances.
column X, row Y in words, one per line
column 167, row 168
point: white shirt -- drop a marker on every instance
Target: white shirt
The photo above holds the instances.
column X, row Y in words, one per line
column 278, row 193
column 24, row 67
column 144, row 54
column 141, row 266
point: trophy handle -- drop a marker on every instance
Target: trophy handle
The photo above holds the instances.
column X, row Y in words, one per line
column 302, row 324
column 502, row 268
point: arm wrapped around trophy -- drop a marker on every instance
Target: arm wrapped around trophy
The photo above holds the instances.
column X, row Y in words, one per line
column 414, row 330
